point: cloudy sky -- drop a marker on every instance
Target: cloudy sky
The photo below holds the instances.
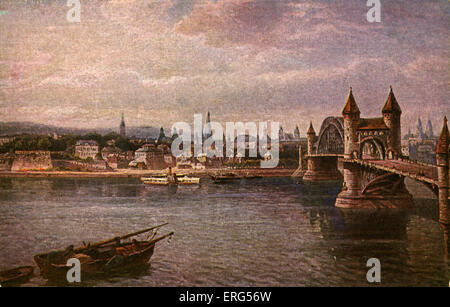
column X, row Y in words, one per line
column 161, row 61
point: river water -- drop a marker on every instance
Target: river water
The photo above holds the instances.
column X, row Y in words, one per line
column 261, row 232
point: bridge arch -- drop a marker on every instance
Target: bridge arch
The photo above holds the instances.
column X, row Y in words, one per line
column 331, row 136
column 372, row 147
column 391, row 154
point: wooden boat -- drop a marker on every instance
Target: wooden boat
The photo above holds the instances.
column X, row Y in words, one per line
column 225, row 177
column 16, row 276
column 102, row 258
column 248, row 176
column 253, row 177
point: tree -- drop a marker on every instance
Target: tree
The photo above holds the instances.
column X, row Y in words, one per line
column 43, row 143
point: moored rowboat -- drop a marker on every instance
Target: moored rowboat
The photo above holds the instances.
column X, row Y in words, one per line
column 102, row 258
column 15, row 276
column 225, row 177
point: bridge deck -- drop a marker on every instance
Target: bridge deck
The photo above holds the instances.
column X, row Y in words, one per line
column 326, row 155
column 421, row 172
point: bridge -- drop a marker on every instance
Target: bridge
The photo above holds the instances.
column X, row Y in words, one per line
column 365, row 153
column 420, row 172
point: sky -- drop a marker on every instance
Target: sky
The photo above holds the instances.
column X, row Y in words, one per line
column 162, row 61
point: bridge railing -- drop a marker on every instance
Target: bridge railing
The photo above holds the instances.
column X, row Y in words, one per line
column 325, row 155
column 416, row 162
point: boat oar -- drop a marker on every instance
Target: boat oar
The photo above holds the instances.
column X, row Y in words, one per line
column 161, row 238
column 121, row 238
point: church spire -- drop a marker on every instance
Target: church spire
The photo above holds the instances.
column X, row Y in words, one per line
column 429, row 130
column 419, row 131
column 207, row 132
column 122, row 130
column 296, row 132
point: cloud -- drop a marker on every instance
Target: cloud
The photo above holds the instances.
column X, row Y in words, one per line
column 163, row 61
column 234, row 22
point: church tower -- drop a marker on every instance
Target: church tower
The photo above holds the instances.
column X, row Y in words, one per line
column 161, row 136
column 391, row 115
column 351, row 116
column 429, row 130
column 297, row 133
column 207, row 132
column 419, row 129
column 281, row 134
column 122, row 129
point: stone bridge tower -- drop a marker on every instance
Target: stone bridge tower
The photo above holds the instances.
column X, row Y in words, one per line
column 391, row 115
column 365, row 187
column 351, row 115
column 311, row 136
column 442, row 162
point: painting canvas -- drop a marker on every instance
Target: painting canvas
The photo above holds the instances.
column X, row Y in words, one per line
column 224, row 143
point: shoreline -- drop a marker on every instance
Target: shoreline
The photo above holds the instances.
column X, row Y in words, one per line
column 125, row 173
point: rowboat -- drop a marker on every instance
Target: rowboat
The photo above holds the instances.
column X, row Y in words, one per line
column 102, row 258
column 225, row 177
column 16, row 276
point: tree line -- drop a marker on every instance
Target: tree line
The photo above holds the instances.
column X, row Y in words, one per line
column 64, row 143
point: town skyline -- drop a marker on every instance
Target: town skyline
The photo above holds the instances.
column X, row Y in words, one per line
column 162, row 62
column 412, row 128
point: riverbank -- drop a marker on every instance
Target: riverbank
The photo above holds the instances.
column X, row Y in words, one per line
column 128, row 173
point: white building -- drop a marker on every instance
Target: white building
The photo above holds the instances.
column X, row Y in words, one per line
column 86, row 149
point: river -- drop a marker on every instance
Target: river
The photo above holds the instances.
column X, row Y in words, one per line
column 261, row 232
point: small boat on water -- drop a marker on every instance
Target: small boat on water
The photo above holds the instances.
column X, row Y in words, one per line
column 248, row 176
column 228, row 177
column 101, row 258
column 225, row 177
column 16, row 276
column 170, row 179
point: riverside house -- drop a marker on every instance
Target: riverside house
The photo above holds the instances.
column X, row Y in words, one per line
column 86, row 148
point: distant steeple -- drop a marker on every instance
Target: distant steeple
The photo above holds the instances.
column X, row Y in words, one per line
column 122, row 129
column 162, row 135
column 429, row 130
column 350, row 105
column 207, row 133
column 296, row 132
column 281, row 133
column 419, row 131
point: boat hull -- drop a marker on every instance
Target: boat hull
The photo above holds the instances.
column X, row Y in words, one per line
column 16, row 276
column 109, row 264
